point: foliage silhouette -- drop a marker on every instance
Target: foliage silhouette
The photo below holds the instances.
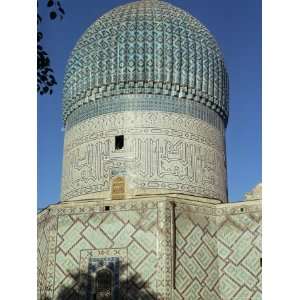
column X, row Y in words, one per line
column 131, row 288
column 45, row 77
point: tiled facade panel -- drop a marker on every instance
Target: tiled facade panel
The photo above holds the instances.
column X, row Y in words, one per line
column 134, row 233
column 43, row 238
column 196, row 268
column 217, row 256
column 181, row 250
column 163, row 153
column 146, row 47
column 239, row 252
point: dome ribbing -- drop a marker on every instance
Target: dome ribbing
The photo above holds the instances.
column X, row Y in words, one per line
column 146, row 47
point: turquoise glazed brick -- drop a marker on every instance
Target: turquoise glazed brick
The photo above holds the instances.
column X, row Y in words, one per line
column 147, row 47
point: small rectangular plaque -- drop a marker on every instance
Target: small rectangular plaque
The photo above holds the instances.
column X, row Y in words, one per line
column 118, row 188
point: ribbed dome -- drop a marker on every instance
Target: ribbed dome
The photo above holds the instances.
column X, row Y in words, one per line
column 146, row 47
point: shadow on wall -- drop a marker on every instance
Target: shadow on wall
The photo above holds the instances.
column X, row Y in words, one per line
column 131, row 288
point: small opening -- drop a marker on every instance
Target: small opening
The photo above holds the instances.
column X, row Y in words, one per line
column 260, row 261
column 242, row 209
column 106, row 208
column 103, row 285
column 119, row 142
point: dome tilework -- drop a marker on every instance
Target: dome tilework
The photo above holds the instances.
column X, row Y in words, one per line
column 147, row 47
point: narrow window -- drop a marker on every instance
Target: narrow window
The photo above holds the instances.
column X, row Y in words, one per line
column 104, row 284
column 260, row 262
column 119, row 142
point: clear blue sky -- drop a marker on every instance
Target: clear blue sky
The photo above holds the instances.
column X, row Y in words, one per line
column 236, row 25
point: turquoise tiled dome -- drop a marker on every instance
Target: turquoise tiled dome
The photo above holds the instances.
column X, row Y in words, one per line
column 146, row 47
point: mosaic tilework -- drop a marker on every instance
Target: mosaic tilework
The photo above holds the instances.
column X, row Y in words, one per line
column 145, row 103
column 165, row 250
column 136, row 233
column 239, row 252
column 182, row 250
column 147, row 47
column 163, row 153
column 47, row 227
column 111, row 263
column 42, row 254
column 217, row 257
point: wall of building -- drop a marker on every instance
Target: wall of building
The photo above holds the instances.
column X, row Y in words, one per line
column 163, row 153
column 218, row 251
column 44, row 235
column 134, row 232
column 181, row 247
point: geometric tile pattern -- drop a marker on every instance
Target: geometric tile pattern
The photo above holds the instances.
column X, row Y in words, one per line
column 162, row 152
column 181, row 249
column 133, row 234
column 100, row 264
column 145, row 102
column 93, row 260
column 146, row 47
column 83, row 235
column 42, row 254
column 217, row 257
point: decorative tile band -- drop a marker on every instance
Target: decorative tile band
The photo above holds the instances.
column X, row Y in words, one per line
column 162, row 151
column 165, row 253
column 149, row 203
column 145, row 102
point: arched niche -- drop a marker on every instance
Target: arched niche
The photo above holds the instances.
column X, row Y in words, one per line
column 103, row 284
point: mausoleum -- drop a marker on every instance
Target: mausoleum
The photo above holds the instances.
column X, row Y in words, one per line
column 144, row 184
